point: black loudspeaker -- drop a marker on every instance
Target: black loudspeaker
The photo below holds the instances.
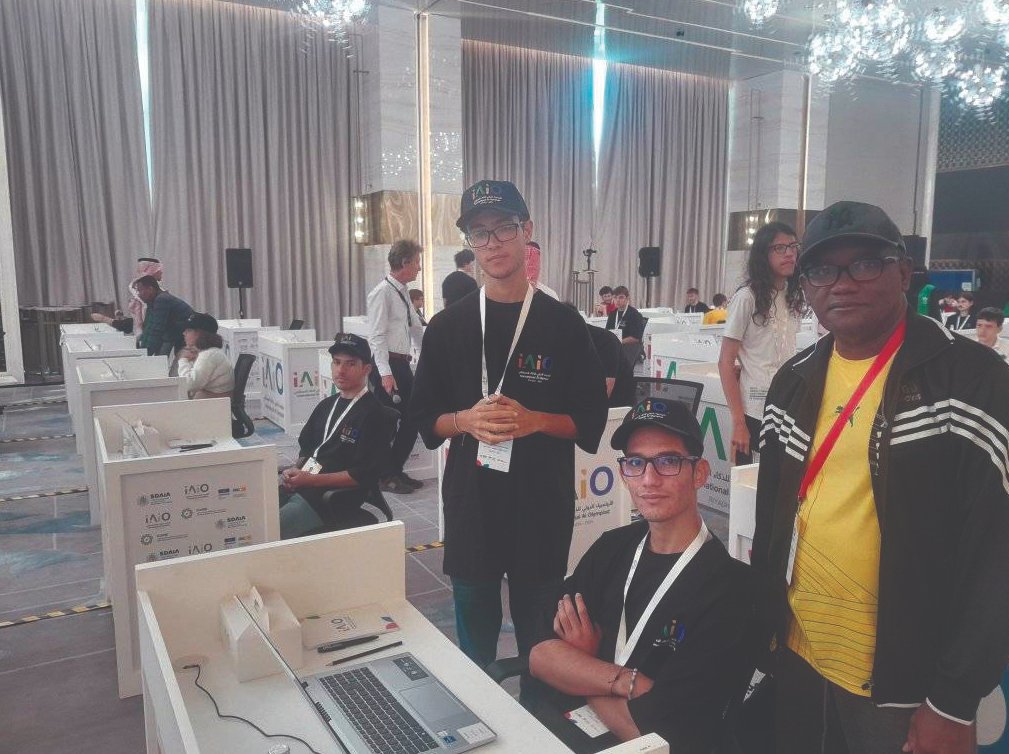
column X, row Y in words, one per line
column 238, row 263
column 915, row 246
column 648, row 261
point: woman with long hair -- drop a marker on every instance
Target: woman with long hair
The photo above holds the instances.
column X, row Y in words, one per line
column 203, row 365
column 764, row 317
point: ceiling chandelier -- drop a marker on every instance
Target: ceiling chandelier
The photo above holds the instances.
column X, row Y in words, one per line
column 961, row 45
column 333, row 18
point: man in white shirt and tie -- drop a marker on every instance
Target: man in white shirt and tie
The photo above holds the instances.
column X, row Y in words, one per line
column 391, row 318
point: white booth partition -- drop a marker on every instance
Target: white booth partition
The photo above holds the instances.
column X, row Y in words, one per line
column 170, row 503
column 358, row 325
column 290, row 373
column 179, row 605
column 77, row 348
column 242, row 336
column 87, row 329
column 602, row 501
column 113, row 382
column 671, row 351
column 742, row 511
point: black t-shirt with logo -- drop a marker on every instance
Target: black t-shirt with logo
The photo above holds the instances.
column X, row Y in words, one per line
column 518, row 522
column 694, row 645
column 631, row 323
column 361, row 445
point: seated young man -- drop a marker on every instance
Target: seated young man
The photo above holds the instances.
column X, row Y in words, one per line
column 625, row 317
column 653, row 629
column 343, row 446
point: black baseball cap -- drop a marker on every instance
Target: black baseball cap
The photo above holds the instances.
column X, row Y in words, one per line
column 671, row 415
column 855, row 220
column 198, row 321
column 500, row 196
column 355, row 345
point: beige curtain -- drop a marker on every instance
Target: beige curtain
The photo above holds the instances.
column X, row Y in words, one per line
column 70, row 90
column 527, row 118
column 253, row 134
column 662, row 180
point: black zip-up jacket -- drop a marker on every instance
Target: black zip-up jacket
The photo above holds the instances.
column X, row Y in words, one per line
column 938, row 456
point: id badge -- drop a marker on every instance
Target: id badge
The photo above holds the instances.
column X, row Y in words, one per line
column 312, row 466
column 495, row 457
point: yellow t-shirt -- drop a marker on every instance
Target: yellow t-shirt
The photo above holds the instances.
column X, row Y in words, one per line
column 835, row 579
column 715, row 316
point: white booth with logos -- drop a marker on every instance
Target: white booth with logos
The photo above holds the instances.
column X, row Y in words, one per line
column 669, row 351
column 242, row 336
column 161, row 501
column 79, row 329
column 112, row 382
column 77, row 348
column 180, row 608
column 289, row 361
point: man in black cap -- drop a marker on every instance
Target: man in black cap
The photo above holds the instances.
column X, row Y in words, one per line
column 653, row 627
column 343, row 446
column 511, row 377
column 165, row 318
column 882, row 510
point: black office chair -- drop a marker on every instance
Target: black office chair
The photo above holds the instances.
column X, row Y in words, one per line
column 241, row 422
column 678, row 390
column 296, row 324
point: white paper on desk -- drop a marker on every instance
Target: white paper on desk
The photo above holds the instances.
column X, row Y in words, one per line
column 496, row 457
column 588, row 721
column 341, row 625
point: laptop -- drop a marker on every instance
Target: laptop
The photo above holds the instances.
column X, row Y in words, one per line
column 391, row 705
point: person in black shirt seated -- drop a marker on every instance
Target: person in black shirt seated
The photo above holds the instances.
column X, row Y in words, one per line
column 694, row 303
column 625, row 317
column 654, row 627
column 963, row 318
column 618, row 370
column 461, row 282
column 343, row 446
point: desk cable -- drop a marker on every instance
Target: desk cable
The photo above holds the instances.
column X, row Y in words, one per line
column 217, row 709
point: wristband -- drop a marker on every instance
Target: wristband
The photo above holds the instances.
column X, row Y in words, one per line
column 455, row 421
column 630, row 689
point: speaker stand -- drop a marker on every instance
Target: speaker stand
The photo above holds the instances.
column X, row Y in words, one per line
column 648, row 292
column 241, row 303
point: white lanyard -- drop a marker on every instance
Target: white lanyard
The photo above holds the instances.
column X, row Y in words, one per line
column 523, row 315
column 332, row 427
column 621, row 316
column 625, row 646
column 960, row 322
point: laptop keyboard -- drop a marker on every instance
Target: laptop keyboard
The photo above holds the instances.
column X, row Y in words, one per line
column 377, row 716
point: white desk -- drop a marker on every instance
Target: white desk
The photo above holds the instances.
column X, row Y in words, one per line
column 111, row 382
column 178, row 605
column 176, row 504
column 290, row 369
column 93, row 346
column 86, row 328
column 242, row 336
column 668, row 351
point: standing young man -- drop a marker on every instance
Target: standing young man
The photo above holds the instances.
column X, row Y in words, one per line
column 510, row 376
column 882, row 510
column 392, row 321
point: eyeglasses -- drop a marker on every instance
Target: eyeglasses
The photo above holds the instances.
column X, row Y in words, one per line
column 783, row 248
column 502, row 233
column 861, row 271
column 668, row 464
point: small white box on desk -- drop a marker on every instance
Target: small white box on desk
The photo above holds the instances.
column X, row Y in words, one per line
column 251, row 658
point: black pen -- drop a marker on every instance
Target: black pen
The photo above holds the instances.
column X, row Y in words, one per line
column 365, row 653
column 335, row 646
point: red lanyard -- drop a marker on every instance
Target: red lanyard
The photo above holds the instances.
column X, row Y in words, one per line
column 882, row 359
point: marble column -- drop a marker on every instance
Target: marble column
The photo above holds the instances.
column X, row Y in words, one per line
column 390, row 141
